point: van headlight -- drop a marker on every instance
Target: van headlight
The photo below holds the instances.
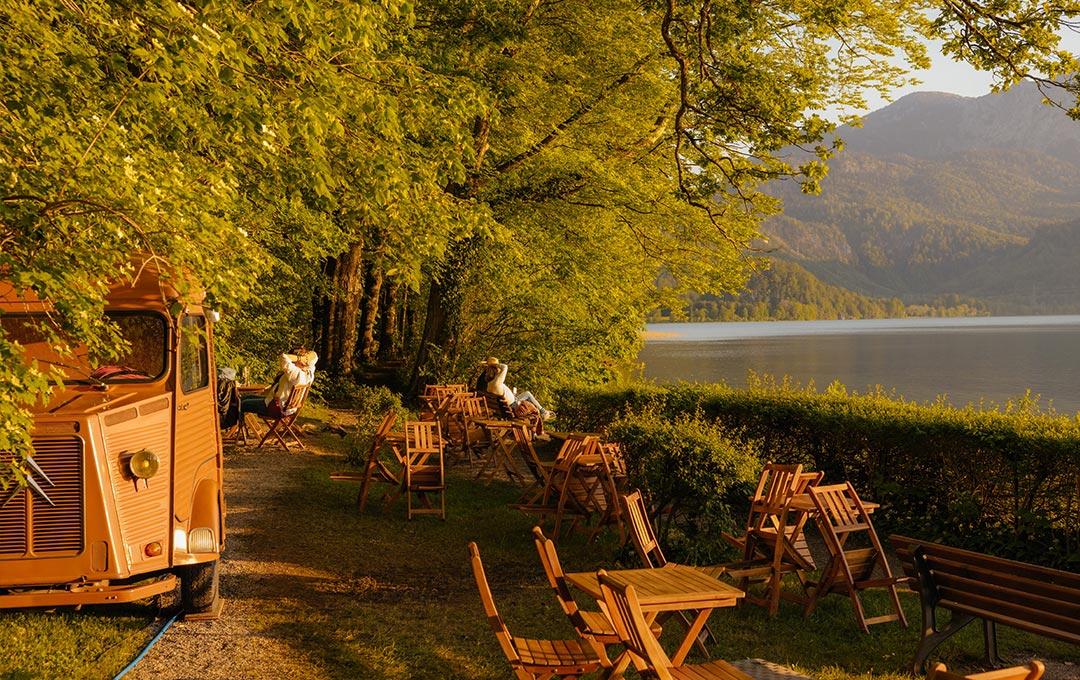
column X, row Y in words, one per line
column 144, row 464
column 201, row 540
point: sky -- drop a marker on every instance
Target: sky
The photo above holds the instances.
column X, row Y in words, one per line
column 946, row 75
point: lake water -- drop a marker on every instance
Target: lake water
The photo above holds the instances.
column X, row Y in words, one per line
column 993, row 359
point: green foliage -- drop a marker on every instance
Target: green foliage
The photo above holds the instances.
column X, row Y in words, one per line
column 692, row 470
column 226, row 140
column 534, row 167
column 74, row 643
column 1001, row 481
column 371, row 404
column 27, row 385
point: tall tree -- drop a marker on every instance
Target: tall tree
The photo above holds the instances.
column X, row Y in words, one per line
column 204, row 135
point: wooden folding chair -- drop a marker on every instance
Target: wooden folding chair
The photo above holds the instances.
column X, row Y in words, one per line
column 537, row 659
column 280, row 427
column 451, row 417
column 640, row 528
column 587, row 623
column 423, row 471
column 564, row 492
column 552, row 501
column 641, row 532
column 538, row 469
column 773, row 531
column 611, row 481
column 856, row 559
column 475, row 437
column 649, row 657
column 589, row 492
column 502, row 444
column 617, row 461
column 1032, row 671
column 374, row 469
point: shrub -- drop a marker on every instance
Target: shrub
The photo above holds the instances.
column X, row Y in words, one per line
column 692, row 470
column 371, row 405
column 1004, row 483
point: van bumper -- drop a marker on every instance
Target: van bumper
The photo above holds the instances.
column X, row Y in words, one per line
column 86, row 593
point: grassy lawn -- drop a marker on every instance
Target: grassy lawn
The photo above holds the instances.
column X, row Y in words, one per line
column 389, row 599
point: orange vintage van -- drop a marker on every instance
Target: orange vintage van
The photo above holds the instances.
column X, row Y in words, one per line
column 124, row 492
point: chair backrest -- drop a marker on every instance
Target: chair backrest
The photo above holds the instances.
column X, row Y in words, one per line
column 549, row 557
column 806, row 480
column 613, row 451
column 575, row 446
column 506, row 640
column 474, row 407
column 775, row 488
column 1032, row 671
column 528, row 454
column 423, row 441
column 296, row 399
column 384, row 427
column 641, row 531
column 841, row 515
column 623, row 607
column 379, row 438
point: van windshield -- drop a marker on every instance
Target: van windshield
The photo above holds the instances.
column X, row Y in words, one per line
column 146, row 331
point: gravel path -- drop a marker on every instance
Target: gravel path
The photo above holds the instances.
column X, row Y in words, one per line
column 251, row 580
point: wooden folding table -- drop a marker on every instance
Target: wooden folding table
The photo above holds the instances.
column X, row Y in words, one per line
column 672, row 588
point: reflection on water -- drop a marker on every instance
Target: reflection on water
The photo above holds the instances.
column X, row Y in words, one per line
column 993, row 359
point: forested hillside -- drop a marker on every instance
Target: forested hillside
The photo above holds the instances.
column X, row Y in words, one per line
column 787, row 292
column 945, row 195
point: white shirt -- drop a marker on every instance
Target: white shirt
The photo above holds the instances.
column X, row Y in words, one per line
column 292, row 375
column 497, row 386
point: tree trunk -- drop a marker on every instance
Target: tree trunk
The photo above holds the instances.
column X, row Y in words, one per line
column 341, row 311
column 389, row 338
column 434, row 328
column 369, row 345
column 438, row 350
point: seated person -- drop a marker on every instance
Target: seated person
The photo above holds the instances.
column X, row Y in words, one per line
column 297, row 368
column 522, row 405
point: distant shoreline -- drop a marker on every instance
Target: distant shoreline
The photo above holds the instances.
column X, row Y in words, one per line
column 659, row 334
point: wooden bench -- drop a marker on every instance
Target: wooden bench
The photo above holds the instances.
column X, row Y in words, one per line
column 973, row 586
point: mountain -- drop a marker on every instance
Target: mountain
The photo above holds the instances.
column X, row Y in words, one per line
column 938, row 194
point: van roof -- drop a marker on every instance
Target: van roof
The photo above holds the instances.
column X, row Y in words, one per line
column 150, row 289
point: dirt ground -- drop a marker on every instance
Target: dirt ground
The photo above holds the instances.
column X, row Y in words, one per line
column 252, row 578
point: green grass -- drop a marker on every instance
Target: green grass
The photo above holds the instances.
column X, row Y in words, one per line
column 94, row 642
column 384, row 598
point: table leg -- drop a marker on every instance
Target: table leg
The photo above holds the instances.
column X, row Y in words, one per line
column 691, row 636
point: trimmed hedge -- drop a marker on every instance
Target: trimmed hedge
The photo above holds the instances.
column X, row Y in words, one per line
column 1007, row 483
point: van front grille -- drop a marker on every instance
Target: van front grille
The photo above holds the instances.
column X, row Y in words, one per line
column 49, row 518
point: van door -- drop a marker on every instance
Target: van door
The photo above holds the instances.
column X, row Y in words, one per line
column 197, row 442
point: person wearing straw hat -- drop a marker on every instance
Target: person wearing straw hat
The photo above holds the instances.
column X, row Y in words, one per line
column 495, row 376
column 297, row 368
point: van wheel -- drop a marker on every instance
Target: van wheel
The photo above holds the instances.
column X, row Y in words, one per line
column 199, row 586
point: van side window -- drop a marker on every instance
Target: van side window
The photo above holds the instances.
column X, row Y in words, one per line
column 194, row 361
